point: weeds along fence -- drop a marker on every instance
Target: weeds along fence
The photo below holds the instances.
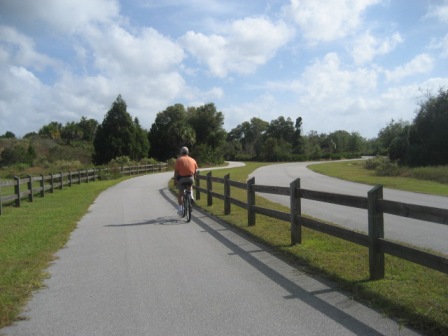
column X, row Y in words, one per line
column 15, row 190
column 374, row 203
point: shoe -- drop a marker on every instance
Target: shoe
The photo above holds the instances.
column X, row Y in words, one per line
column 180, row 211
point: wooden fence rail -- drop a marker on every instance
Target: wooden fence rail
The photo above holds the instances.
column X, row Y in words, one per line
column 374, row 203
column 17, row 189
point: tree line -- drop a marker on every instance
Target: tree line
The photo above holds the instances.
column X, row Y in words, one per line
column 417, row 143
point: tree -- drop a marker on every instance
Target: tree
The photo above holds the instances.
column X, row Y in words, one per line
column 428, row 137
column 395, row 129
column 282, row 129
column 88, row 128
column 314, row 144
column 298, row 143
column 339, row 141
column 116, row 135
column 356, row 143
column 8, row 135
column 141, row 143
column 169, row 132
column 207, row 124
column 246, row 136
column 52, row 130
column 17, row 154
column 71, row 131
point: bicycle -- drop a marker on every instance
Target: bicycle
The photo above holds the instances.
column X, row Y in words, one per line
column 187, row 203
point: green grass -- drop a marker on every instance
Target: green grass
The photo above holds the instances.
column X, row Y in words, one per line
column 354, row 171
column 413, row 294
column 31, row 235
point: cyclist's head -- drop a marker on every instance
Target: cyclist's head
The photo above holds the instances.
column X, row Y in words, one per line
column 184, row 151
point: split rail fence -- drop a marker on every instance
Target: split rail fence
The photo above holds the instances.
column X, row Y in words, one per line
column 374, row 203
column 17, row 189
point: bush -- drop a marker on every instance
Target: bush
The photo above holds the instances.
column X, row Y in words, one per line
column 375, row 162
column 63, row 165
column 388, row 168
column 437, row 173
column 243, row 157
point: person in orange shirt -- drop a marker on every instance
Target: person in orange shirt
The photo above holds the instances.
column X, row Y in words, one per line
column 185, row 170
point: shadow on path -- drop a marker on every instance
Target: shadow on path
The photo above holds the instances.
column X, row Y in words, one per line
column 296, row 292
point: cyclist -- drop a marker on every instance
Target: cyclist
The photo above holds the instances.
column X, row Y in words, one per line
column 184, row 172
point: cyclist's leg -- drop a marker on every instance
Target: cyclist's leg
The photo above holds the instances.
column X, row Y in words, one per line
column 191, row 194
column 180, row 195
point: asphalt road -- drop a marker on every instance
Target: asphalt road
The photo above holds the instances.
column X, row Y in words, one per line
column 415, row 232
column 133, row 267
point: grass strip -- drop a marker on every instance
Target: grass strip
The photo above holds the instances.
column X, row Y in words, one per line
column 354, row 171
column 31, row 235
column 415, row 295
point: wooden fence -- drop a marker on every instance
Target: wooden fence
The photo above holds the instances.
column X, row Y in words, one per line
column 374, row 203
column 28, row 187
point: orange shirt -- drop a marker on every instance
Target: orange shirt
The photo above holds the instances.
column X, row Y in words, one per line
column 186, row 166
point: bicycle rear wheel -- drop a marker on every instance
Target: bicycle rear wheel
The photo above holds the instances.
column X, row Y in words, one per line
column 187, row 207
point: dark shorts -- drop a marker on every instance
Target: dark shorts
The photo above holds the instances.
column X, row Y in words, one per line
column 184, row 180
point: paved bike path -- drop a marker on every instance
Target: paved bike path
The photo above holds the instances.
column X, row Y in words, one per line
column 133, row 267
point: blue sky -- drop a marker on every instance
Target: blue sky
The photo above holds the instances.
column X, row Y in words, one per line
column 350, row 65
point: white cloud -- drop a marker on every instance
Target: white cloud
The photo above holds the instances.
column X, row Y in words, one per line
column 441, row 45
column 440, row 12
column 367, row 47
column 420, row 64
column 19, row 50
column 328, row 20
column 22, row 97
column 118, row 52
column 242, row 47
column 328, row 83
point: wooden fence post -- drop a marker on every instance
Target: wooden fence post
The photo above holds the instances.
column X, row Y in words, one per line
column 198, row 185
column 250, row 202
column 30, row 188
column 79, row 176
column 51, row 183
column 42, row 185
column 296, row 211
column 69, row 178
column 209, row 189
column 61, row 180
column 17, row 190
column 376, row 231
column 226, row 195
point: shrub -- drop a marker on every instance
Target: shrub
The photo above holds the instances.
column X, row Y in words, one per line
column 388, row 168
column 437, row 173
column 375, row 162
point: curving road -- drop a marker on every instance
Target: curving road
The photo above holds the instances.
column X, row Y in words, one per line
column 132, row 267
column 419, row 233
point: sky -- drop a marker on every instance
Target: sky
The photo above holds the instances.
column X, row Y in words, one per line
column 352, row 65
